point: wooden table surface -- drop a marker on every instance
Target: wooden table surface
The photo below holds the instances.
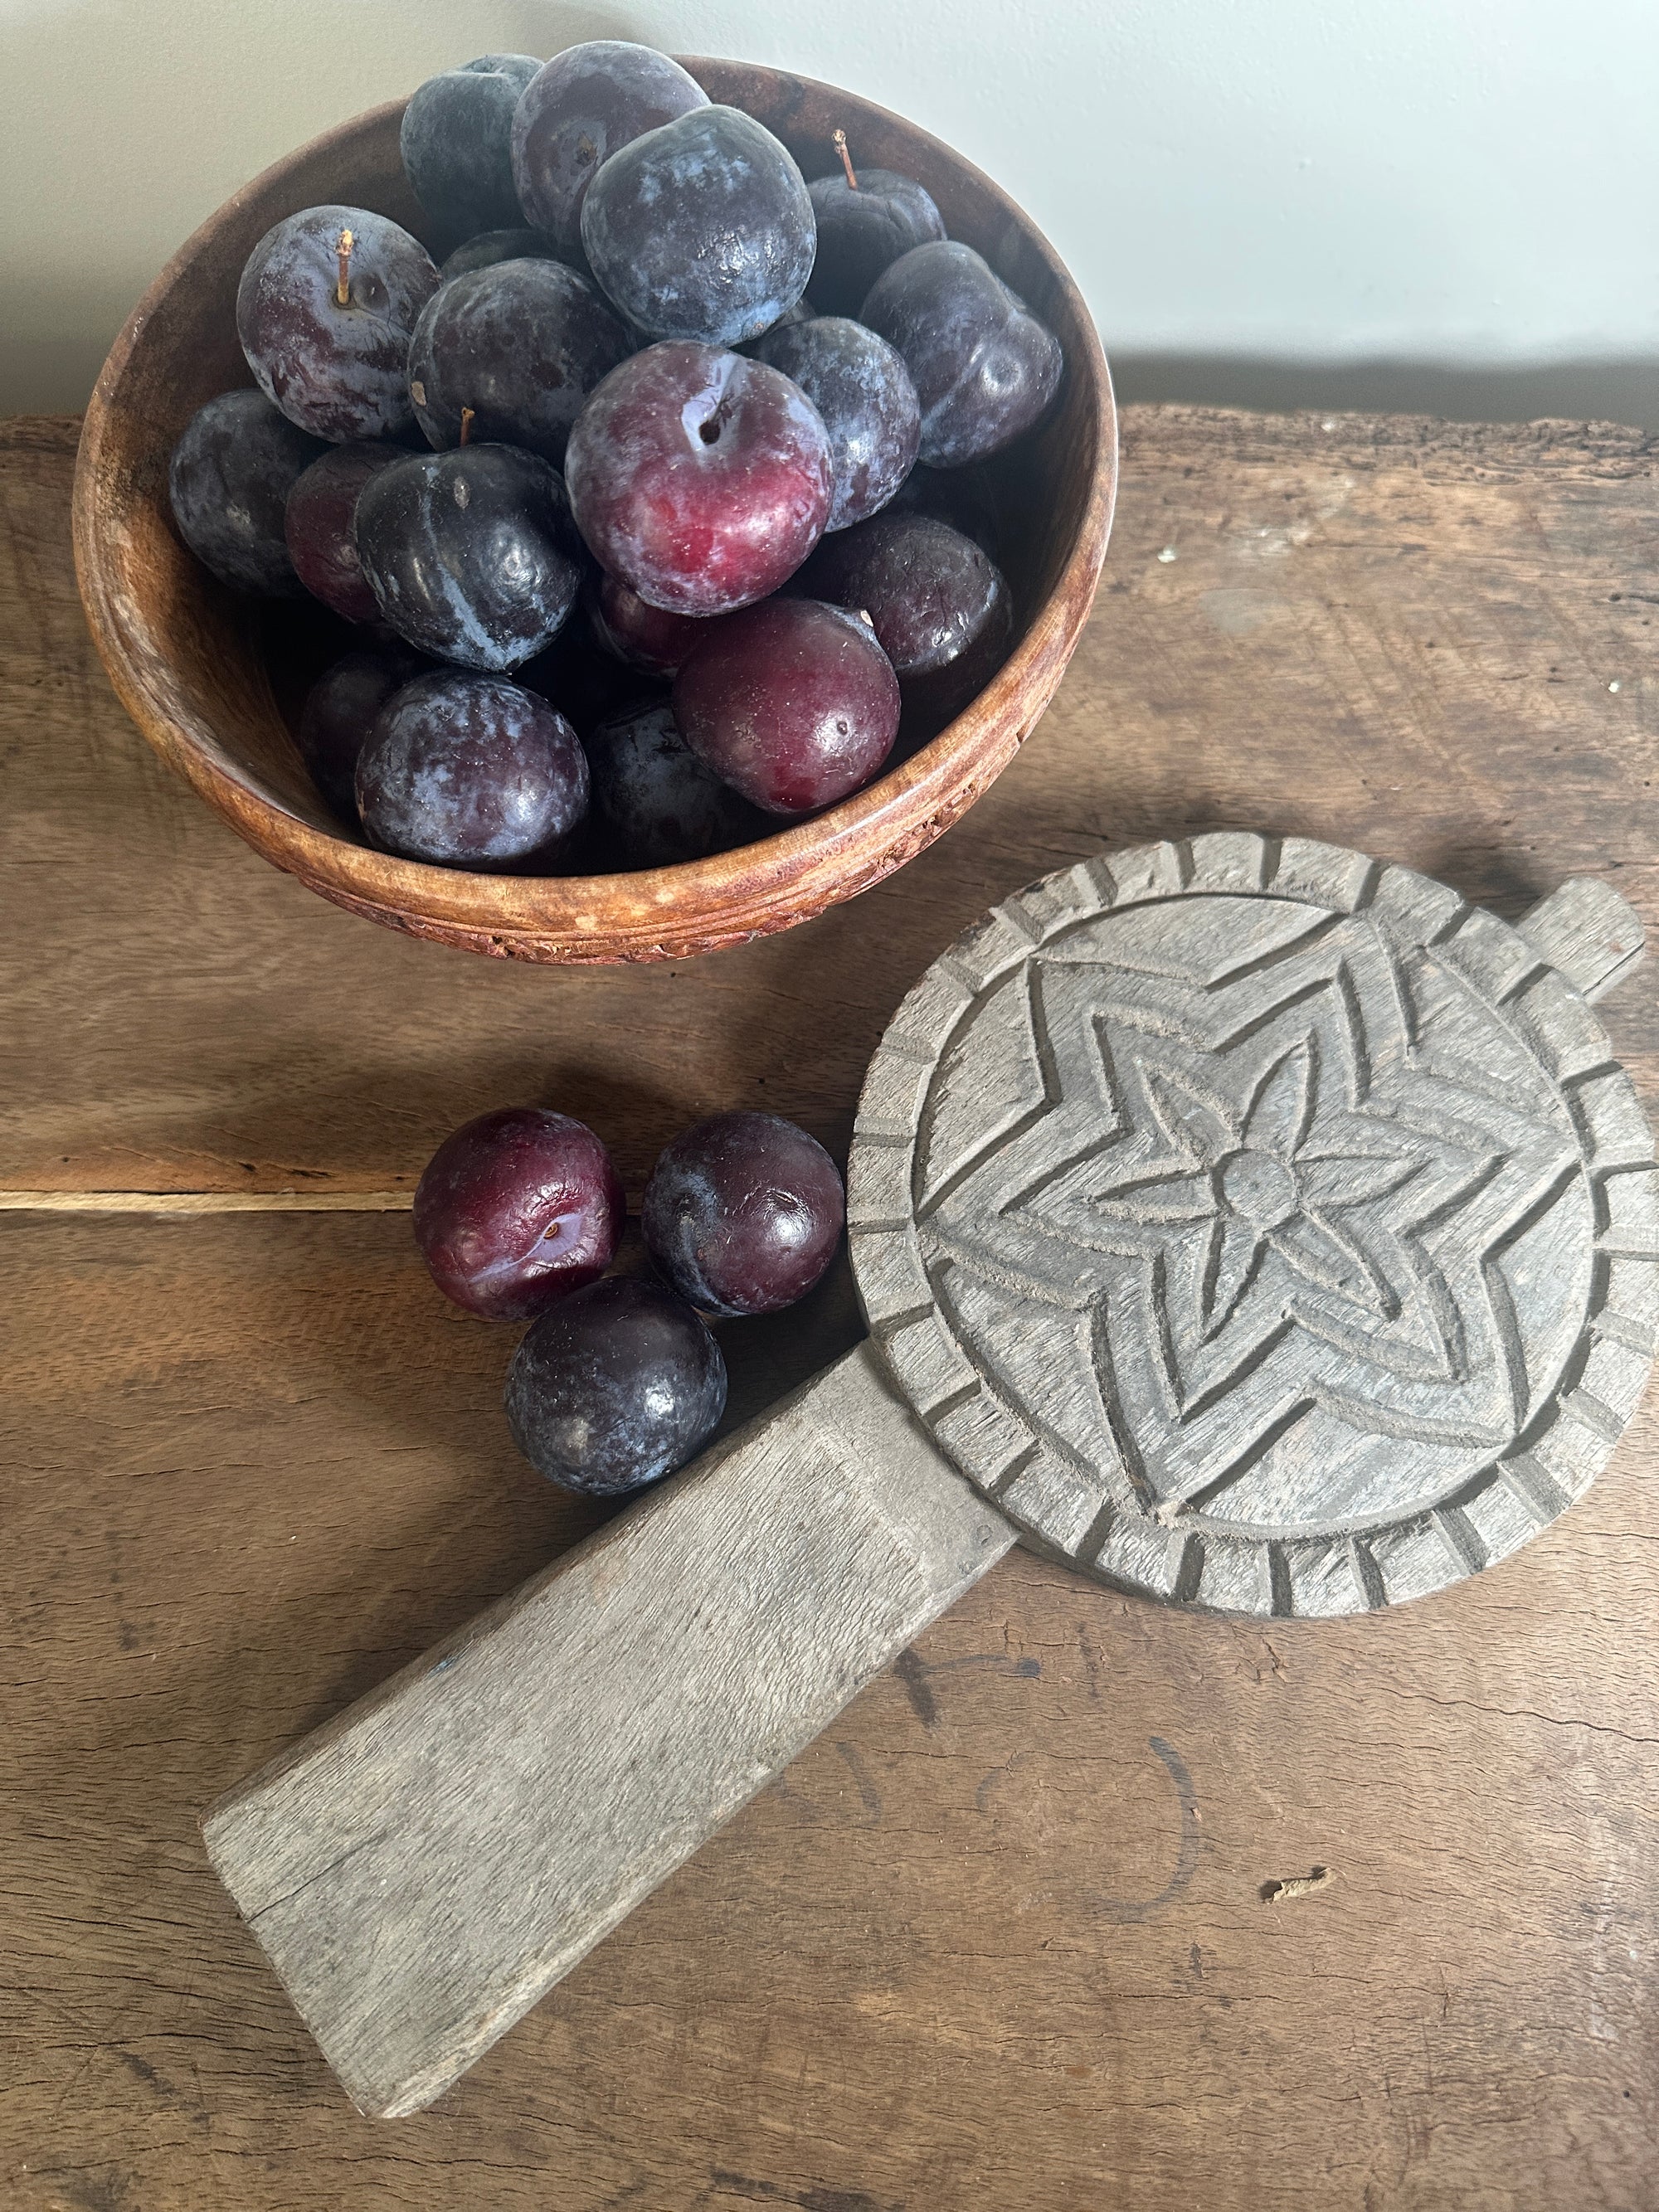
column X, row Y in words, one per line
column 1000, row 1938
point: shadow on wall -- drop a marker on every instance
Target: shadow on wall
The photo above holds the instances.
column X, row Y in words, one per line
column 100, row 184
column 1624, row 391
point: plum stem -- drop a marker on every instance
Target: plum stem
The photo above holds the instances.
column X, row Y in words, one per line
column 343, row 282
column 838, row 140
column 467, row 414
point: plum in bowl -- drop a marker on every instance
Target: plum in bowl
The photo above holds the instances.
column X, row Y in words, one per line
column 214, row 683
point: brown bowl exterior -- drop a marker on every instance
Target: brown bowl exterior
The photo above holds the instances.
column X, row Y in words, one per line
column 184, row 656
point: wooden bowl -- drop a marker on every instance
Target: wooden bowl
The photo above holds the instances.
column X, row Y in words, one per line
column 186, row 656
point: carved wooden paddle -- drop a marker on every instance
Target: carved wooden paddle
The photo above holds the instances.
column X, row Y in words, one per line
column 1254, row 1225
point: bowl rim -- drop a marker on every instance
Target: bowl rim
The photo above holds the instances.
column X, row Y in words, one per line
column 653, row 913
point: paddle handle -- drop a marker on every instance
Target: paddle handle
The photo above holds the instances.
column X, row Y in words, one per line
column 427, row 1865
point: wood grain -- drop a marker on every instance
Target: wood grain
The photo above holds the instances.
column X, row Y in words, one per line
column 998, row 1936
column 185, row 655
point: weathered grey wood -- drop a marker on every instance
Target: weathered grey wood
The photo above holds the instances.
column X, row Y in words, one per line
column 1263, row 1227
column 420, row 1871
column 1587, row 932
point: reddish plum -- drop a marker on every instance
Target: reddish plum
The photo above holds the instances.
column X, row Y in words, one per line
column 701, row 479
column 228, row 483
column 517, row 1209
column 862, row 228
column 456, row 139
column 325, row 309
column 792, row 703
column 466, row 553
column 984, row 368
column 864, row 393
column 646, row 637
column 341, row 709
column 468, row 771
column 510, row 354
column 939, row 606
column 659, row 801
column 317, row 522
column 744, row 1213
column 700, row 229
column 616, row 1386
column 578, row 110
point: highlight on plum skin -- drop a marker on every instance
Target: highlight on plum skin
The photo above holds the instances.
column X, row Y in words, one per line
column 515, row 1210
column 744, row 1213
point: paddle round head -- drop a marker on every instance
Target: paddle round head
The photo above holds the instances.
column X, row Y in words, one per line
column 1262, row 1226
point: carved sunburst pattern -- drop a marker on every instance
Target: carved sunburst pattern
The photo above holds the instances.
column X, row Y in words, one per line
column 1262, row 1226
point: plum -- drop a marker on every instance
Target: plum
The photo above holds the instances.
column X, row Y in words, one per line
column 517, row 1209
column 984, row 368
column 793, row 703
column 863, row 390
column 577, row 111
column 324, row 310
column 228, row 482
column 456, row 140
column 615, row 1387
column 701, row 479
column 512, row 352
column 744, row 1213
column 700, row 229
column 467, row 553
column 469, row 771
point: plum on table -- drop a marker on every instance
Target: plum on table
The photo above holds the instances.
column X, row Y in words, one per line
column 577, row 111
column 793, row 703
column 511, row 352
column 865, row 220
column 228, row 482
column 467, row 553
column 324, row 310
column 456, row 140
column 700, row 229
column 661, row 802
column 939, row 605
column 614, row 1387
column 984, row 368
column 469, row 771
column 318, row 525
column 699, row 477
column 863, row 390
column 515, row 1210
column 744, row 1213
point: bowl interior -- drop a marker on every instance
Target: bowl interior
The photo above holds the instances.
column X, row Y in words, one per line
column 194, row 662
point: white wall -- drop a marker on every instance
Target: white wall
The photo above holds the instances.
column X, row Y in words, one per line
column 1461, row 182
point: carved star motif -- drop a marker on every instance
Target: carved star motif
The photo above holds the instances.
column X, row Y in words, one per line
column 1259, row 1201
